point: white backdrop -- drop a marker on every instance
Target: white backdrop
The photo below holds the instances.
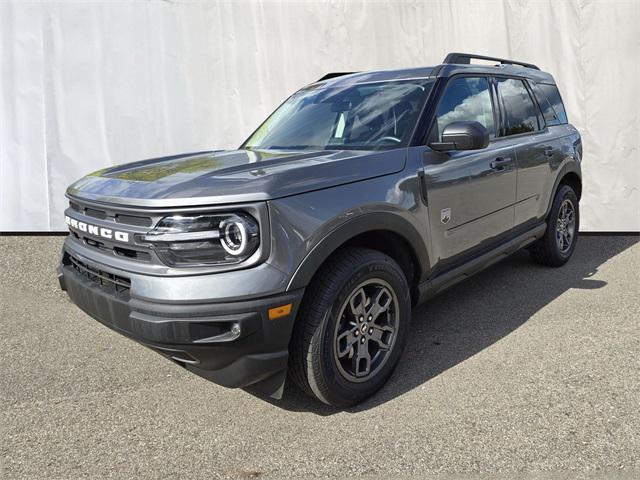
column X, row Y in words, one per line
column 86, row 84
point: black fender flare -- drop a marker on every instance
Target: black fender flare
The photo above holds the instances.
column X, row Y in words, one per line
column 366, row 222
column 569, row 167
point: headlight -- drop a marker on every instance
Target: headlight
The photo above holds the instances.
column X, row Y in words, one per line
column 200, row 240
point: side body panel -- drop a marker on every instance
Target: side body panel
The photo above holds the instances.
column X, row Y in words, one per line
column 483, row 206
column 470, row 202
column 540, row 159
column 307, row 228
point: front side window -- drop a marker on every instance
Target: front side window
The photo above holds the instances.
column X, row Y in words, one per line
column 465, row 99
column 520, row 111
column 370, row 116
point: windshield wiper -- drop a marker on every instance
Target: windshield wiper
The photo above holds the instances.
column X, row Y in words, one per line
column 288, row 147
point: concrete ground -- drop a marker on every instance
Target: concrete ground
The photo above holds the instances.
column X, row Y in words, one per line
column 520, row 372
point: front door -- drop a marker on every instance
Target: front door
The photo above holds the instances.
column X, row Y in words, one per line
column 470, row 194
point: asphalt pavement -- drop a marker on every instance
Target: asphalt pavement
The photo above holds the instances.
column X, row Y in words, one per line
column 520, row 372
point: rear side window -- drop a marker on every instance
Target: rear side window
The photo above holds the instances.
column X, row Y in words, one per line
column 465, row 99
column 520, row 111
column 552, row 107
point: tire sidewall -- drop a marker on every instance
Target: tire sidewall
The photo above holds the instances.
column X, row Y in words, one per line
column 345, row 391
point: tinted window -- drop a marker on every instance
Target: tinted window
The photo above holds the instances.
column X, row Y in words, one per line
column 520, row 111
column 372, row 116
column 552, row 107
column 465, row 99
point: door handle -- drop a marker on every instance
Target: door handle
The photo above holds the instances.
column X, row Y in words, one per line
column 501, row 163
column 548, row 151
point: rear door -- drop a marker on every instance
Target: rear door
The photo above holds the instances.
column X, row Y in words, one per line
column 471, row 194
column 538, row 151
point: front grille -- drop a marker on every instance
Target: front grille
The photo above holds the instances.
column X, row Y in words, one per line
column 108, row 281
column 135, row 254
column 112, row 217
column 105, row 214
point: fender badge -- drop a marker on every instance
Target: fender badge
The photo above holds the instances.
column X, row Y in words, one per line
column 445, row 215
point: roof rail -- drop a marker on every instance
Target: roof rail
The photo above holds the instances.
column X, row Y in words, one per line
column 465, row 58
column 334, row 75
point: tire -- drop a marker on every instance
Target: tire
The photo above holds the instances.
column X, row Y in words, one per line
column 556, row 246
column 324, row 360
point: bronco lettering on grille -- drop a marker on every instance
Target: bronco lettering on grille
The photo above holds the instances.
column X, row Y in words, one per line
column 97, row 231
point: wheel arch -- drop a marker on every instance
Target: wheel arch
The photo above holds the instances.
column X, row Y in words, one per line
column 571, row 175
column 385, row 232
column 572, row 179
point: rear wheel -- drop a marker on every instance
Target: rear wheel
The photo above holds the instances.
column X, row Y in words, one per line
column 352, row 327
column 559, row 241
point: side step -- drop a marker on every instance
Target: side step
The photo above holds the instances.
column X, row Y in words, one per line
column 431, row 288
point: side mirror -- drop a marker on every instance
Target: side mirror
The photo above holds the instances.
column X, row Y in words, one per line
column 462, row 136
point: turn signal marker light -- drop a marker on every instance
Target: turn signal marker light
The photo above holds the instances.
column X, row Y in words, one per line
column 281, row 311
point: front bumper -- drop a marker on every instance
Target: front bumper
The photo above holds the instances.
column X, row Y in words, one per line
column 233, row 344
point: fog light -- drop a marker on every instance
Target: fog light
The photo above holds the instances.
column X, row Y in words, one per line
column 235, row 329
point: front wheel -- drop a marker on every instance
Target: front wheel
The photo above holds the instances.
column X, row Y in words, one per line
column 559, row 241
column 352, row 327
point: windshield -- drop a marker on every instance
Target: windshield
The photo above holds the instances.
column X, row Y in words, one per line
column 369, row 116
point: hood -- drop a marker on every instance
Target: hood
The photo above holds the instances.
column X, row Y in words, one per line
column 234, row 176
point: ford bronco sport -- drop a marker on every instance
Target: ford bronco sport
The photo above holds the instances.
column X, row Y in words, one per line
column 303, row 251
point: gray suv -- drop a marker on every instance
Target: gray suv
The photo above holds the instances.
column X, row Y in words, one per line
column 303, row 251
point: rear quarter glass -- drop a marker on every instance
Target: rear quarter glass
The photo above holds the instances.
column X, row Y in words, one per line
column 551, row 104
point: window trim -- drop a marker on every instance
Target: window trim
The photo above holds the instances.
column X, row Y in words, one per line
column 426, row 121
column 542, row 122
column 501, row 109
